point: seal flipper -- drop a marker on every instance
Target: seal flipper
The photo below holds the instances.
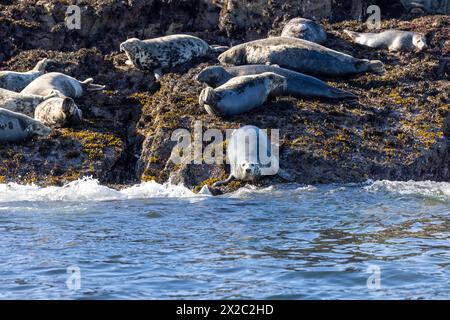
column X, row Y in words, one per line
column 158, row 73
column 231, row 178
column 353, row 35
column 208, row 99
column 339, row 94
column 51, row 95
column 218, row 49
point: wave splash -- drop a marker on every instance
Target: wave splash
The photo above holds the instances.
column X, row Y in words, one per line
column 426, row 189
column 89, row 189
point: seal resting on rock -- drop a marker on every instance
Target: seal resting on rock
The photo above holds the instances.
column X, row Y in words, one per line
column 62, row 84
column 241, row 94
column 305, row 29
column 393, row 40
column 250, row 155
column 58, row 112
column 15, row 127
column 163, row 53
column 21, row 102
column 298, row 84
column 17, row 81
column 299, row 55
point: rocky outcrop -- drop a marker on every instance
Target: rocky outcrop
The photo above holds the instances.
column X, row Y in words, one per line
column 397, row 131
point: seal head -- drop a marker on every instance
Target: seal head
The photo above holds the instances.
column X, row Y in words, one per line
column 213, row 76
column 305, row 29
column 420, row 42
column 58, row 112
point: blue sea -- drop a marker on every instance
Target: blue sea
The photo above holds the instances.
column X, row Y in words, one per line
column 375, row 240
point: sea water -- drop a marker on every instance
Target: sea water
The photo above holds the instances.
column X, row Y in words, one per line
column 375, row 240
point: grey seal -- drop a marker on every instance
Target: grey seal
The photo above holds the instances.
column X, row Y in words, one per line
column 299, row 55
column 21, row 102
column 393, row 40
column 62, row 84
column 17, row 81
column 298, row 85
column 241, row 94
column 427, row 6
column 160, row 54
column 58, row 112
column 15, row 127
column 249, row 152
column 305, row 29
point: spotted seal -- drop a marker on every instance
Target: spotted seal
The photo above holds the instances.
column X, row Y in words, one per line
column 305, row 29
column 17, row 81
column 58, row 112
column 62, row 84
column 250, row 155
column 299, row 55
column 393, row 40
column 241, row 94
column 15, row 127
column 160, row 54
column 21, row 102
column 298, row 84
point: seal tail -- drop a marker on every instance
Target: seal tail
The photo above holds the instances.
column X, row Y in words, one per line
column 90, row 86
column 353, row 35
column 230, row 179
column 338, row 94
column 41, row 65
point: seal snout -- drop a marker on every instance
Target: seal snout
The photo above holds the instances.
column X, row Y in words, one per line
column 41, row 130
column 422, row 45
column 126, row 45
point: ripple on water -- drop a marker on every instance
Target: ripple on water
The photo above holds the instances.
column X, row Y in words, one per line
column 163, row 241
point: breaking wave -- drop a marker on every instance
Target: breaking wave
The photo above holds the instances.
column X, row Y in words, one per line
column 88, row 189
column 426, row 189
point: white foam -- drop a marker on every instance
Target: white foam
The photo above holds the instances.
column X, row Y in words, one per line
column 88, row 189
column 428, row 189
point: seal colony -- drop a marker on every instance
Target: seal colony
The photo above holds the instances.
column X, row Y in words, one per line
column 246, row 77
column 298, row 85
column 48, row 97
